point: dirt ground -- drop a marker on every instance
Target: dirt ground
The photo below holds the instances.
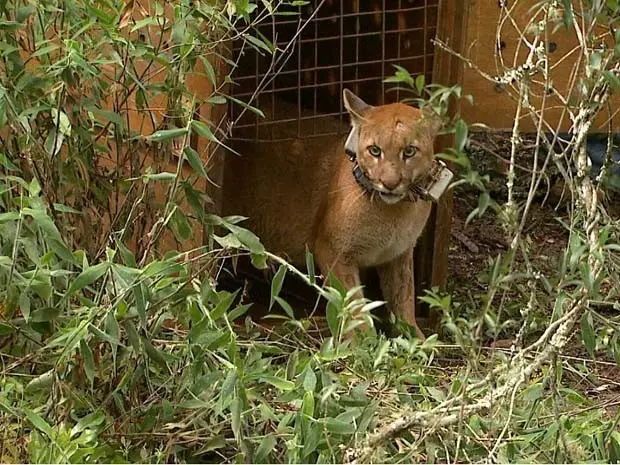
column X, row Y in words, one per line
column 484, row 237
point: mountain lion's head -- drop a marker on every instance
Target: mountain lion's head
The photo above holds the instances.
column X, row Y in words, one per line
column 393, row 145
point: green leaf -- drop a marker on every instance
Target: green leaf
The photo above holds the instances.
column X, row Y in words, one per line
column 613, row 79
column 587, row 333
column 203, row 130
column 45, row 314
column 229, row 241
column 111, row 116
column 260, row 43
column 614, row 447
column 217, row 100
column 132, row 335
column 88, row 276
column 61, row 120
column 209, row 69
column 138, row 291
column 70, row 340
column 6, row 329
column 246, row 106
column 460, row 135
column 484, row 202
column 307, row 406
column 89, row 361
column 5, row 162
column 24, row 13
column 309, row 379
column 53, row 142
column 259, row 260
column 276, row 284
column 336, row 284
column 54, row 238
column 34, row 187
column 286, row 307
column 112, row 328
column 238, row 311
column 41, row 382
column 333, row 320
column 217, row 442
column 164, row 176
column 266, row 446
column 247, row 238
column 160, row 267
column 104, row 336
column 401, row 76
column 533, row 392
column 235, row 420
column 9, row 26
column 596, row 60
column 24, row 304
column 179, row 29
column 226, row 300
column 38, row 421
column 128, row 256
column 148, row 21
column 154, row 354
column 9, row 216
column 194, row 160
column 385, row 345
column 65, row 209
column 310, row 266
column 93, row 419
column 339, row 427
column 45, row 50
column 568, row 15
column 419, row 83
column 166, row 134
column 182, row 228
column 280, row 383
column 291, row 365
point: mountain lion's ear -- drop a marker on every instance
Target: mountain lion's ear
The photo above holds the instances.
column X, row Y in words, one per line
column 354, row 105
column 432, row 121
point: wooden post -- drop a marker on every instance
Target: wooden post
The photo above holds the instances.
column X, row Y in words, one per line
column 431, row 254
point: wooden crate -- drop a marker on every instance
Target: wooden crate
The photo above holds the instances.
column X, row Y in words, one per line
column 492, row 104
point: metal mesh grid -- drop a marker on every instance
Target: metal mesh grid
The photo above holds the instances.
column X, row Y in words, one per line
column 331, row 45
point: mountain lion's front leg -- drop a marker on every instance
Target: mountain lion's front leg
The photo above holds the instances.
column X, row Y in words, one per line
column 396, row 278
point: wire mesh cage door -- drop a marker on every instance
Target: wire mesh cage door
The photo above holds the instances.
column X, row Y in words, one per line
column 327, row 46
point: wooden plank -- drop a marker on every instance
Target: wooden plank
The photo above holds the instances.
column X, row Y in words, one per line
column 431, row 254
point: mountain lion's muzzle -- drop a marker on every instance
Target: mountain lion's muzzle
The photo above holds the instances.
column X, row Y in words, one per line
column 430, row 188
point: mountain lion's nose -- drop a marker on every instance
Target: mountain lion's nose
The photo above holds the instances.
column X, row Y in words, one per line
column 391, row 183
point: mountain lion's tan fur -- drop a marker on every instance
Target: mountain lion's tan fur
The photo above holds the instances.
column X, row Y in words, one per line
column 305, row 194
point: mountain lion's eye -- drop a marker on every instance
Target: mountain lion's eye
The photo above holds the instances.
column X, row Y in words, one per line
column 375, row 150
column 410, row 151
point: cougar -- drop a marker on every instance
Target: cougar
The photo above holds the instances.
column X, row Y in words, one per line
column 354, row 203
